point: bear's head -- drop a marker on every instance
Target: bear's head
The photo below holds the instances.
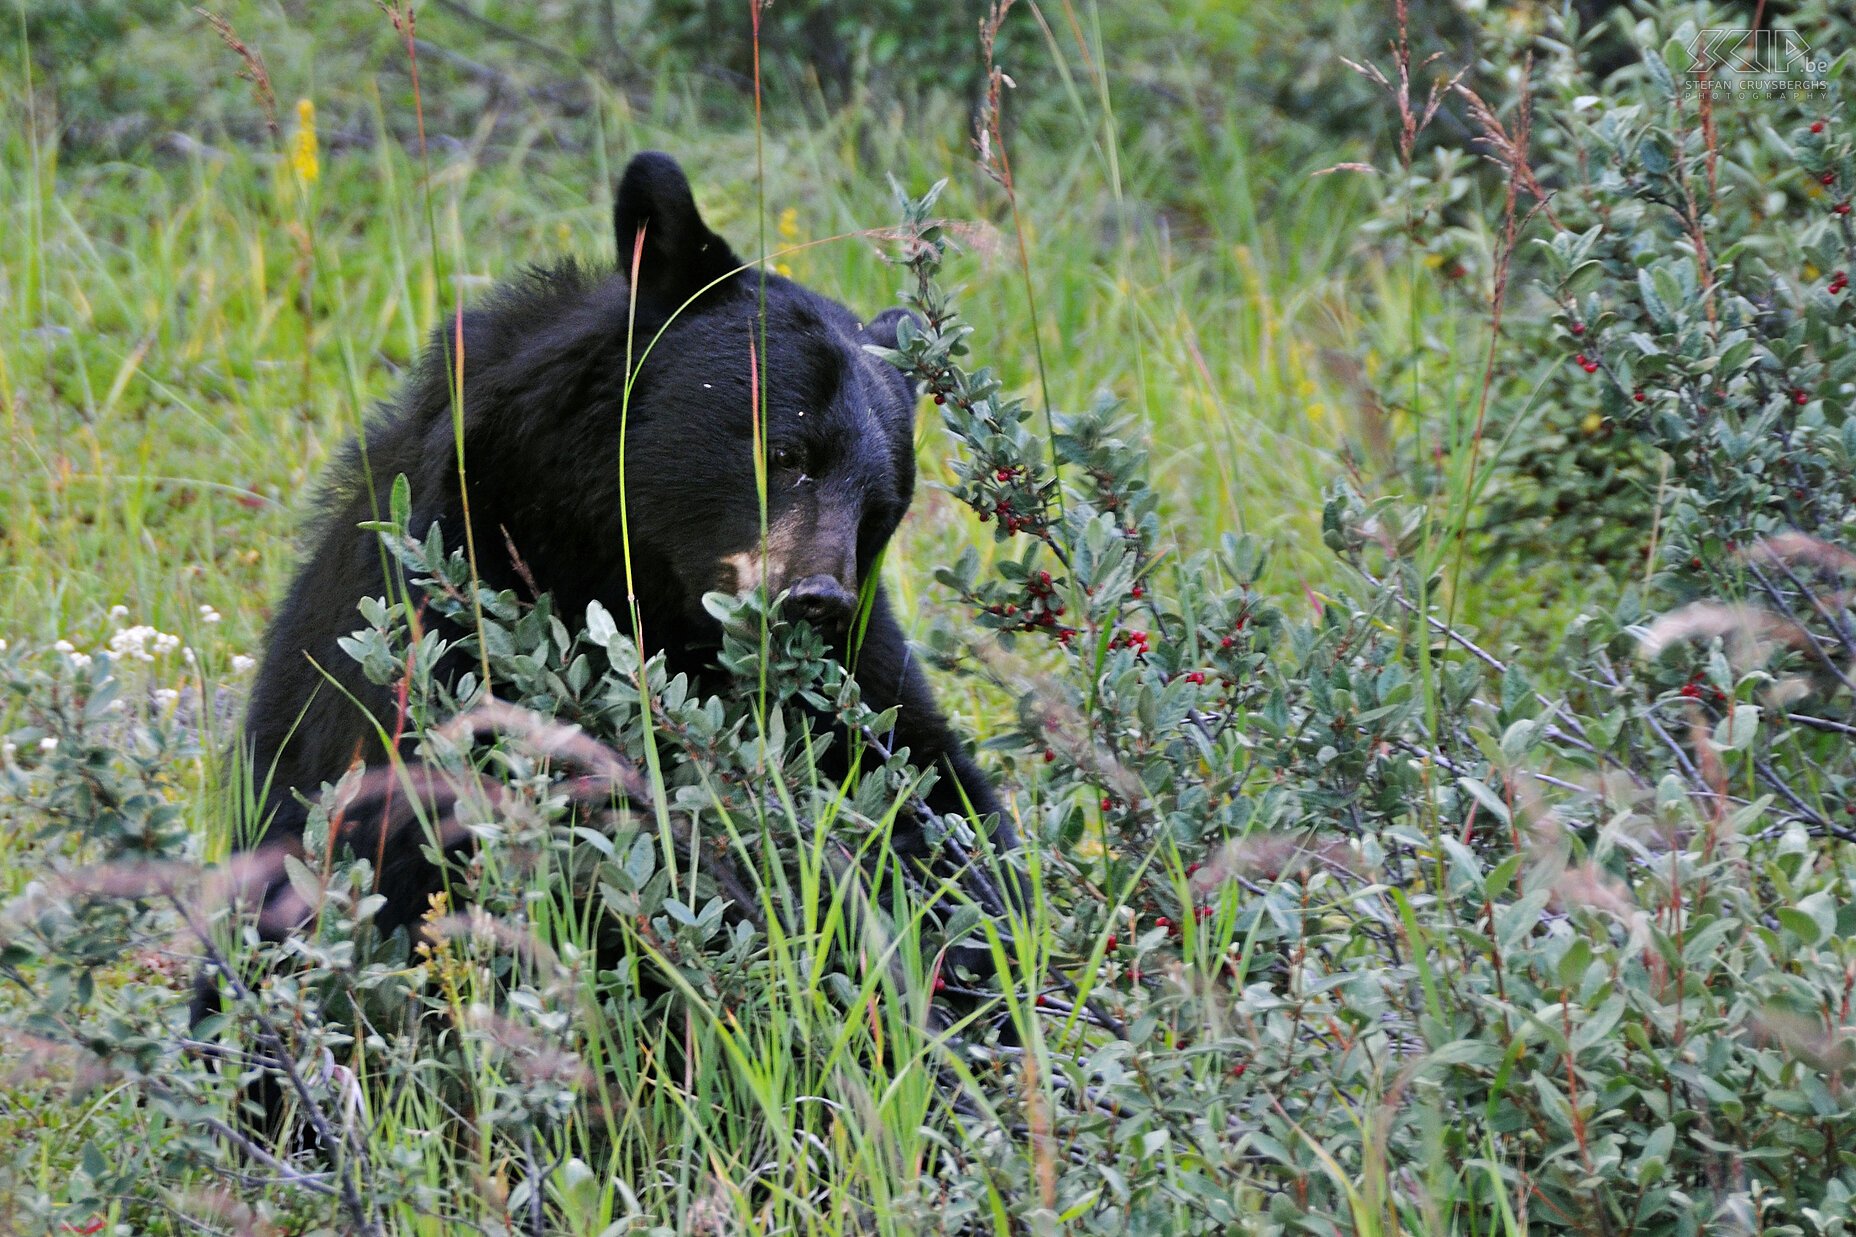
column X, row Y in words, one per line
column 799, row 494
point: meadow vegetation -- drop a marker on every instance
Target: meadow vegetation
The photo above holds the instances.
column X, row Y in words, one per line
column 1389, row 524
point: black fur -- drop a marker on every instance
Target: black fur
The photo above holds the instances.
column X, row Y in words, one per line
column 544, row 364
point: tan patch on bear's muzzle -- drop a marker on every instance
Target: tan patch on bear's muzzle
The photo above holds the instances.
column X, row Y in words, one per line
column 741, row 573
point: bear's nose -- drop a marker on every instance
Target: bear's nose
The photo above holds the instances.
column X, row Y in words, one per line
column 820, row 600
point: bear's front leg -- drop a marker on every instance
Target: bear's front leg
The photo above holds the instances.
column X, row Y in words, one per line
column 891, row 675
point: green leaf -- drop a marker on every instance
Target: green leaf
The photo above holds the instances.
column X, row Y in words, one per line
column 1799, row 923
column 400, row 505
column 1735, row 732
column 600, row 627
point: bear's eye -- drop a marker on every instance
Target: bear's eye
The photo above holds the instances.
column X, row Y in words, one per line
column 787, row 459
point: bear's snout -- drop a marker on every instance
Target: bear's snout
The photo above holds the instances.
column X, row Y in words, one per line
column 822, row 601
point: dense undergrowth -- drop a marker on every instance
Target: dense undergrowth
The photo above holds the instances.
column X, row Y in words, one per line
column 1487, row 869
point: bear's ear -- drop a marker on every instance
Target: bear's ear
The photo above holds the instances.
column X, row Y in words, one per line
column 681, row 255
column 882, row 329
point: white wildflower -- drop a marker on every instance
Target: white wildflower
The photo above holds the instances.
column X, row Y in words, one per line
column 208, row 614
column 118, row 613
column 166, row 697
column 81, row 660
column 135, row 641
column 242, row 663
column 48, row 745
column 65, row 646
column 187, row 656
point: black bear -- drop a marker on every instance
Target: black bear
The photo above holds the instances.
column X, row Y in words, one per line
column 544, row 374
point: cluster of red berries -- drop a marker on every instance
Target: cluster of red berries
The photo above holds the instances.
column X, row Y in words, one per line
column 1697, row 689
column 1230, row 641
column 1012, row 520
column 1134, row 638
column 1838, row 282
column 1586, row 363
column 1041, row 611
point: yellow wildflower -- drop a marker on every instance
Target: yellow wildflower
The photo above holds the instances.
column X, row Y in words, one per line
column 783, row 270
column 789, row 224
column 303, row 160
column 1592, row 423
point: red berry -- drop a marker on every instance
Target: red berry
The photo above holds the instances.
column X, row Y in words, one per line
column 1578, row 328
column 1205, row 912
column 1800, row 398
column 1137, row 592
column 1637, row 395
column 1817, row 126
column 1695, row 563
column 1161, row 921
column 1011, row 608
column 1828, row 178
column 1579, row 360
column 1229, row 642
column 1842, row 208
column 1107, row 803
column 1044, row 578
column 1237, row 1071
column 1691, row 691
column 1112, row 943
column 940, row 984
column 939, row 398
column 1197, row 676
column 985, row 516
column 1049, row 755
column 1590, row 367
